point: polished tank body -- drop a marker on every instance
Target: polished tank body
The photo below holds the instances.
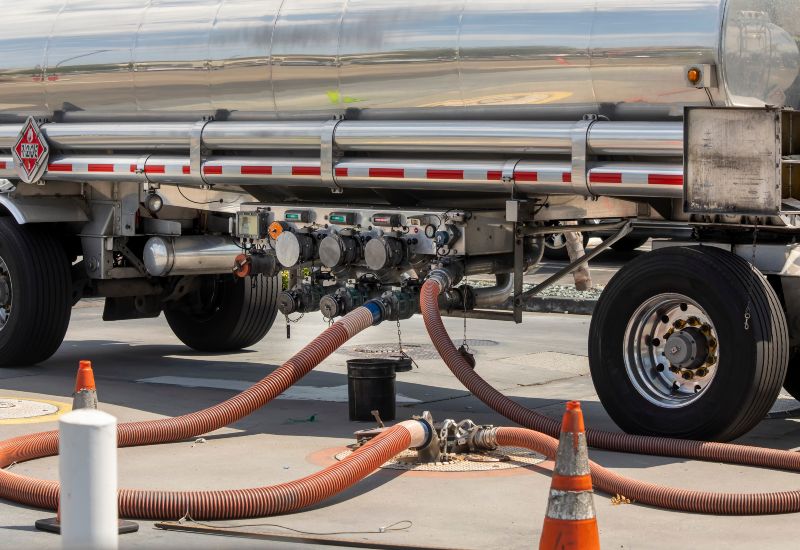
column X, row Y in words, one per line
column 392, row 59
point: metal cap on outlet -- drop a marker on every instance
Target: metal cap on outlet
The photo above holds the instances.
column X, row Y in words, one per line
column 292, row 248
column 383, row 253
column 336, row 251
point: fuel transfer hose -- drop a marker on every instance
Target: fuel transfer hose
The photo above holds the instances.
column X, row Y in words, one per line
column 607, row 481
column 230, row 504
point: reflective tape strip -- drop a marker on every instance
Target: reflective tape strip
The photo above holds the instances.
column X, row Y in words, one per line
column 59, row 168
column 398, row 173
column 212, row 170
column 664, row 179
column 100, row 168
column 445, row 174
column 570, row 505
column 523, row 176
column 155, row 169
column 572, row 457
column 306, row 171
column 186, row 169
column 256, row 170
column 342, row 172
column 494, row 175
column 282, row 170
column 3, row 165
column 605, row 177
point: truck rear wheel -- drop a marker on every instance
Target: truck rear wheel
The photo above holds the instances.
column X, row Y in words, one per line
column 35, row 294
column 673, row 353
column 226, row 315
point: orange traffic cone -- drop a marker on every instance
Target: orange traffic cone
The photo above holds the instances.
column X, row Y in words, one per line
column 85, row 396
column 570, row 523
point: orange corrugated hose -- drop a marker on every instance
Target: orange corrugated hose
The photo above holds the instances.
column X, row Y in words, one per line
column 646, row 493
column 230, row 504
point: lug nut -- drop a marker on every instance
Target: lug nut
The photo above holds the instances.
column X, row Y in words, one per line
column 712, row 343
column 679, row 324
column 674, row 369
column 711, row 360
column 694, row 321
column 687, row 375
column 702, row 372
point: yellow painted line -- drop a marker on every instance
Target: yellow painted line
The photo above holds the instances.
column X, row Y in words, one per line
column 62, row 409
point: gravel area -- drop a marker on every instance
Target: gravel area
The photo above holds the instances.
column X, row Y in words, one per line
column 555, row 291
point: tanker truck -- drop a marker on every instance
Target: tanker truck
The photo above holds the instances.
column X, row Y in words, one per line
column 175, row 156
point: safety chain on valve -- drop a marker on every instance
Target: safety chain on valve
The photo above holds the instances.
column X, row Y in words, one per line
column 401, row 352
column 747, row 313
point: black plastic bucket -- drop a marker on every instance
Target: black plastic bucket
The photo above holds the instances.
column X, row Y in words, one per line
column 370, row 386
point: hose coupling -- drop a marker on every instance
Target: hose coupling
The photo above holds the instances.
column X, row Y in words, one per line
column 394, row 305
column 483, row 438
column 447, row 276
column 430, row 450
column 457, row 299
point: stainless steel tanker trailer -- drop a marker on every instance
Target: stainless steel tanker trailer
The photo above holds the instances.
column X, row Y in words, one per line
column 175, row 155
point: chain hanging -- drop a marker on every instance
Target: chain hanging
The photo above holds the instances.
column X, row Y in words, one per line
column 747, row 312
column 401, row 352
column 289, row 323
column 464, row 343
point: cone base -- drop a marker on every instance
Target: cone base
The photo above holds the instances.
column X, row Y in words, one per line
column 52, row 525
column 581, row 534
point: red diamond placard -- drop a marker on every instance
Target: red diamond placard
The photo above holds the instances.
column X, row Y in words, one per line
column 30, row 152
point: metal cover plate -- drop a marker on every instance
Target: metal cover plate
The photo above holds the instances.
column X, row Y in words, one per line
column 15, row 409
column 733, row 161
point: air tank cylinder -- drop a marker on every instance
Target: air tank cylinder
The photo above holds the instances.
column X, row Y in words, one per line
column 190, row 255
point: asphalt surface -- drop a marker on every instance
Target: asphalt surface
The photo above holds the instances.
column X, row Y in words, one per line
column 144, row 372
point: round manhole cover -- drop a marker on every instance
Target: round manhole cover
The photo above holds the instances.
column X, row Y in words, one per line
column 18, row 409
column 503, row 458
column 416, row 351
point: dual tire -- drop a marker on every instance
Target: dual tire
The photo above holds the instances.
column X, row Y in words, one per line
column 36, row 302
column 234, row 314
column 688, row 342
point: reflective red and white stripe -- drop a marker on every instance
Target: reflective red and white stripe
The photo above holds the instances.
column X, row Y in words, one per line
column 544, row 177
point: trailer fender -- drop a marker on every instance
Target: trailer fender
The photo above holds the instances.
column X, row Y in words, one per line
column 43, row 209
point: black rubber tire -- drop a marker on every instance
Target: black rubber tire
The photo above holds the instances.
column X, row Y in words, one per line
column 242, row 315
column 752, row 363
column 629, row 244
column 41, row 294
column 560, row 253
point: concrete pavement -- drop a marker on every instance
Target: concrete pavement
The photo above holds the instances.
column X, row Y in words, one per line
column 541, row 363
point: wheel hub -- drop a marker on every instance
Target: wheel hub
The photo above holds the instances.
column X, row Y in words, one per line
column 686, row 349
column 671, row 350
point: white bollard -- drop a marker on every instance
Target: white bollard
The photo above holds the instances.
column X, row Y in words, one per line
column 88, row 473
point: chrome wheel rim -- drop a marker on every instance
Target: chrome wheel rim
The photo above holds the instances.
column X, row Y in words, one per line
column 671, row 351
column 6, row 294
